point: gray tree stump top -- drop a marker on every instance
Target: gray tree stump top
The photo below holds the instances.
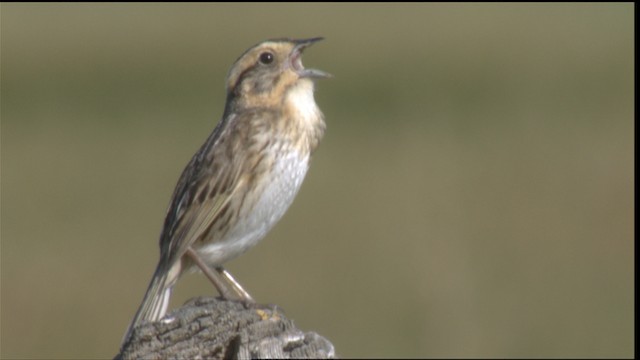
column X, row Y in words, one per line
column 207, row 328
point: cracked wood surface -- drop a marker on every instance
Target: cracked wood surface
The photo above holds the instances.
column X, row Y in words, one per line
column 208, row 328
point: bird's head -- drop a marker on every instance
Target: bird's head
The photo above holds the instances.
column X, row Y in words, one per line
column 265, row 72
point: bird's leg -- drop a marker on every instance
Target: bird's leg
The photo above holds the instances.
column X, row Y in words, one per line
column 222, row 288
column 244, row 295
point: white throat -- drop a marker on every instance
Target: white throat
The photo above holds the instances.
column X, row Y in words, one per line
column 300, row 97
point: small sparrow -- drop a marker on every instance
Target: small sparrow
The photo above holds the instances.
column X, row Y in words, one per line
column 244, row 177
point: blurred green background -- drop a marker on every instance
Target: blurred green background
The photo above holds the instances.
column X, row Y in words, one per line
column 473, row 196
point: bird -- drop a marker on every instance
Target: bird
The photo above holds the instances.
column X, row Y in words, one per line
column 244, row 177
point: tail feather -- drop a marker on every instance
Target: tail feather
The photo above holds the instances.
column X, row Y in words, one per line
column 155, row 302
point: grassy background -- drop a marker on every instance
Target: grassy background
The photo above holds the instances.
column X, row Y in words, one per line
column 473, row 196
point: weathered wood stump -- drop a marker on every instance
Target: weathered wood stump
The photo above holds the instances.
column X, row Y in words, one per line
column 208, row 328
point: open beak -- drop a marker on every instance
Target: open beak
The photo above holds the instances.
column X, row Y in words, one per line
column 296, row 59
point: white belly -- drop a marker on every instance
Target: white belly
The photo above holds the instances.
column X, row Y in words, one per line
column 277, row 196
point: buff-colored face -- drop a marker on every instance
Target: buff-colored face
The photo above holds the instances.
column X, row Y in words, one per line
column 270, row 68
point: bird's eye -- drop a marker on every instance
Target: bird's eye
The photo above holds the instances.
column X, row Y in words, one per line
column 266, row 58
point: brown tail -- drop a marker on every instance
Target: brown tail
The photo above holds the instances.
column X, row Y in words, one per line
column 155, row 302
